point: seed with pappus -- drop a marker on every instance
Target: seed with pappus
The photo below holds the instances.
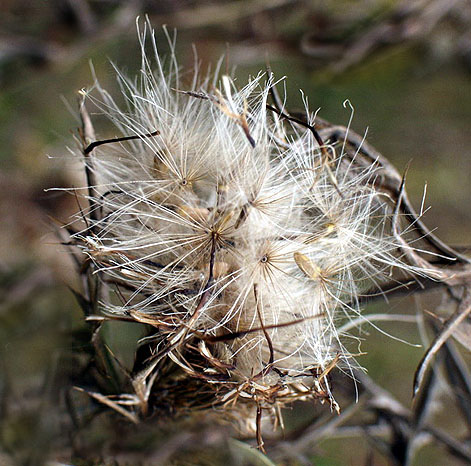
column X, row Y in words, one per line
column 232, row 230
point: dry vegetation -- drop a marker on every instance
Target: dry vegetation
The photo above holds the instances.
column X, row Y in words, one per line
column 116, row 416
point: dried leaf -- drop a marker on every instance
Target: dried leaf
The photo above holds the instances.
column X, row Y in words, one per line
column 448, row 329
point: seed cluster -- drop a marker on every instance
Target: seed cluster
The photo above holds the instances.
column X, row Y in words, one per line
column 231, row 229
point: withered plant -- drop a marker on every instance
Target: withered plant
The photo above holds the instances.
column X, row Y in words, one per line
column 247, row 240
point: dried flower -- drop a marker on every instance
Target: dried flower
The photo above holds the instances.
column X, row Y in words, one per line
column 236, row 233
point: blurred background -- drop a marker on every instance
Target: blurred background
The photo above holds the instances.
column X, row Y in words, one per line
column 404, row 65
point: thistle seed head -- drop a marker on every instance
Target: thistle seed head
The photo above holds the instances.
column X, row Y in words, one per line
column 236, row 233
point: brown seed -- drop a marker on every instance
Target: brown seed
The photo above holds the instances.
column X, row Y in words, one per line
column 220, row 269
column 306, row 265
column 198, row 214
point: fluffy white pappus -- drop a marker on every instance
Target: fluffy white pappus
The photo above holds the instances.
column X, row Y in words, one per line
column 230, row 229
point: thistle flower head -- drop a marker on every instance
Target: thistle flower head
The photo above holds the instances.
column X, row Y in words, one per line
column 234, row 231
